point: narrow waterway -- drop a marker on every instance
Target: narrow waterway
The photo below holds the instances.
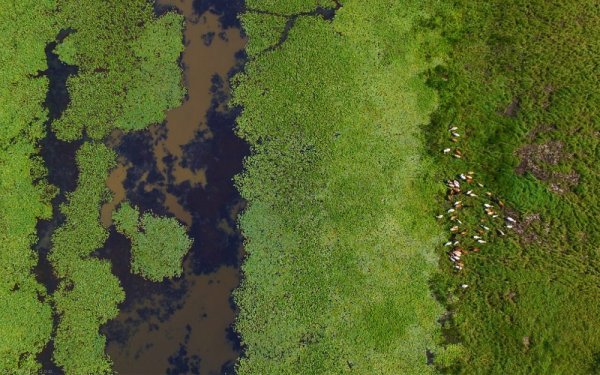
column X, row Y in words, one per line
column 184, row 168
column 59, row 158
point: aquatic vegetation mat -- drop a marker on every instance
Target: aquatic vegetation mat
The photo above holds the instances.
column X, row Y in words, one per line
column 126, row 77
column 26, row 28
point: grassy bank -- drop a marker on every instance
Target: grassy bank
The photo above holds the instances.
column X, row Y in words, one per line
column 340, row 229
column 521, row 86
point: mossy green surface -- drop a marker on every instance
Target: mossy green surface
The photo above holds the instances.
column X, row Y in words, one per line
column 339, row 235
column 25, row 315
column 158, row 244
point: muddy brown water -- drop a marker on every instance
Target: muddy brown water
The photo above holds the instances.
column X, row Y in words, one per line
column 184, row 168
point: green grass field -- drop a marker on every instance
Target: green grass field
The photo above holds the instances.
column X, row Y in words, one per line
column 343, row 190
column 521, row 85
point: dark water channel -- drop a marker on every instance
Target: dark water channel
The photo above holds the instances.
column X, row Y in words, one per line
column 59, row 157
column 184, row 168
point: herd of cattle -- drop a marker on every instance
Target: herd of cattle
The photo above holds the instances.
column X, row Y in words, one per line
column 468, row 237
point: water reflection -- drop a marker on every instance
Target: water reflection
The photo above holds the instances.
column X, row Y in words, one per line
column 183, row 168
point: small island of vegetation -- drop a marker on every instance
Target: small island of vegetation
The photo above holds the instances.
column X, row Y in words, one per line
column 158, row 243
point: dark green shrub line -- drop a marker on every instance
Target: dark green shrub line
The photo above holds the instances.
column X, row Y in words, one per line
column 288, row 8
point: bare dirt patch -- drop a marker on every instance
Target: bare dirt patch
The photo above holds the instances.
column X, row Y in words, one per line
column 513, row 108
column 536, row 158
column 531, row 228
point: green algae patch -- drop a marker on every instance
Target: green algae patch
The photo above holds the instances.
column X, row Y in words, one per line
column 88, row 294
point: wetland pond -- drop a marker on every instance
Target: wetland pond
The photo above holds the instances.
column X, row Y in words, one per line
column 184, row 168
